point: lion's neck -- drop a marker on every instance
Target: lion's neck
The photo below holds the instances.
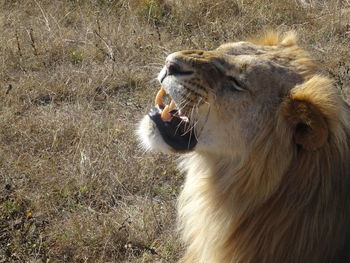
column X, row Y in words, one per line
column 203, row 210
column 238, row 196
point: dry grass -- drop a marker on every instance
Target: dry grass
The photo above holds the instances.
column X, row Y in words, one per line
column 75, row 76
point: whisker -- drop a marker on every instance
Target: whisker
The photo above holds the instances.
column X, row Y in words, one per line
column 181, row 107
column 179, row 125
column 189, row 140
column 191, row 124
column 184, row 102
column 191, row 117
column 205, row 121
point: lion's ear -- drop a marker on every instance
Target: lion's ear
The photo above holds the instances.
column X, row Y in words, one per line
column 307, row 110
column 308, row 125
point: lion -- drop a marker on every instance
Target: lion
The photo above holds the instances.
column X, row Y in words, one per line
column 263, row 139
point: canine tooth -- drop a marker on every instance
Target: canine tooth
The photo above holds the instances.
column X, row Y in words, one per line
column 165, row 115
column 159, row 97
column 172, row 105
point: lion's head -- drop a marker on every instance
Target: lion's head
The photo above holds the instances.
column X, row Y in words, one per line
column 222, row 99
column 267, row 152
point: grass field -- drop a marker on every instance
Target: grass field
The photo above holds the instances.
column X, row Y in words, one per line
column 75, row 78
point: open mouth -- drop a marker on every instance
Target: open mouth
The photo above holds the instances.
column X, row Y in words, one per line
column 173, row 125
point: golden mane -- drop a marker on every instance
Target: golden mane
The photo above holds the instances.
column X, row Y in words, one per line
column 291, row 50
column 274, row 38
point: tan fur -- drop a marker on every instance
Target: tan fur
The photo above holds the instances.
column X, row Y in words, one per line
column 269, row 181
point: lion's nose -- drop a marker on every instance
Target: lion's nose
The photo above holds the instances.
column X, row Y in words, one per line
column 172, row 68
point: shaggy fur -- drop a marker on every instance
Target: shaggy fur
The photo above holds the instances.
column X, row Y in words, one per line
column 277, row 188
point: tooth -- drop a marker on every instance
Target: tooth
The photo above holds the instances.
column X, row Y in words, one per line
column 159, row 97
column 172, row 105
column 166, row 115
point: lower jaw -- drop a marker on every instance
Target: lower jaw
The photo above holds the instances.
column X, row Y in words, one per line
column 175, row 132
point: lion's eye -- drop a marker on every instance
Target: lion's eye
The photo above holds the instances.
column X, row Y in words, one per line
column 237, row 85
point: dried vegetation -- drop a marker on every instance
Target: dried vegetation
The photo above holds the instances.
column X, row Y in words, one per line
column 75, row 76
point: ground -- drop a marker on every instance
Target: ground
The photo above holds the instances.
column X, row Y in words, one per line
column 75, row 77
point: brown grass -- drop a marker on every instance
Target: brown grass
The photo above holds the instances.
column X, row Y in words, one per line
column 75, row 77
